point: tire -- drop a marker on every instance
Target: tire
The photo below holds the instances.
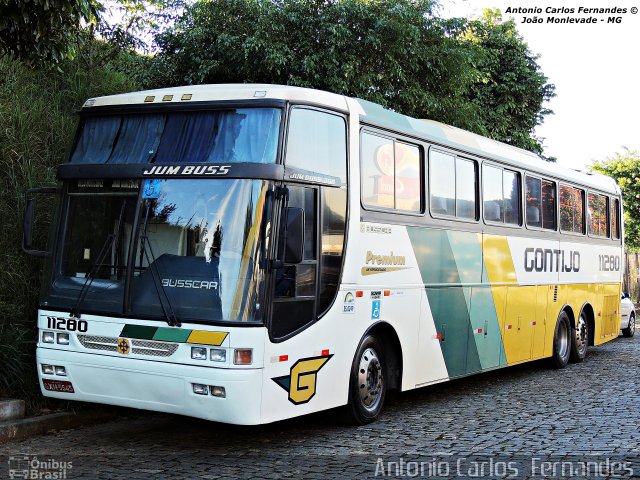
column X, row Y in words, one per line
column 579, row 340
column 631, row 328
column 561, row 342
column 368, row 382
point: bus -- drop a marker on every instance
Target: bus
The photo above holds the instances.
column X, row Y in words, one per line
column 251, row 253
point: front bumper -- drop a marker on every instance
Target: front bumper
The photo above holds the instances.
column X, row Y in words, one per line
column 152, row 385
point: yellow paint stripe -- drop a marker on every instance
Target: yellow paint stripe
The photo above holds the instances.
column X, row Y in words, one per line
column 207, row 338
column 498, row 260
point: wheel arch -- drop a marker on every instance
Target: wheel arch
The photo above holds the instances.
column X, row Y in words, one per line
column 390, row 341
column 569, row 311
column 587, row 309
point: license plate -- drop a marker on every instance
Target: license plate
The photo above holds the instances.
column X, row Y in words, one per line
column 58, row 386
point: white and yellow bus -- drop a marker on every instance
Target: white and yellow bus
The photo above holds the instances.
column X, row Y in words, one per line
column 250, row 253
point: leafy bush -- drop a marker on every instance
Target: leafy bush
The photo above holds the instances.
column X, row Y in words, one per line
column 37, row 124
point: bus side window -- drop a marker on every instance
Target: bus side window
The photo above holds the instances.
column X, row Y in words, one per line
column 541, row 203
column 598, row 215
column 571, row 209
column 615, row 215
column 501, row 195
column 454, row 185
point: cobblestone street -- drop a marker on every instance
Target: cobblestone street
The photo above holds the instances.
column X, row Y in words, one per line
column 588, row 410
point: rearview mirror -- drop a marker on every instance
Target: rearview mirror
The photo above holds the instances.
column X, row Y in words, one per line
column 28, row 221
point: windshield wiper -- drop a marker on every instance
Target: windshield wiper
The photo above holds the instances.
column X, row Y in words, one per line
column 147, row 252
column 111, row 240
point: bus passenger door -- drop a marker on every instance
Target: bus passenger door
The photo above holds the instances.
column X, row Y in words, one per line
column 485, row 328
column 520, row 320
column 540, row 323
column 294, row 294
column 451, row 318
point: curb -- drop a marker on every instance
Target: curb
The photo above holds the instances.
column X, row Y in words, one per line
column 16, row 430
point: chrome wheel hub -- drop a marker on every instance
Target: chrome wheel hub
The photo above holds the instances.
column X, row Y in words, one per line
column 632, row 325
column 563, row 341
column 581, row 335
column 370, row 379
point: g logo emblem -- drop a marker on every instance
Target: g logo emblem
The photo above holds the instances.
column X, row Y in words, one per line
column 302, row 379
column 123, row 346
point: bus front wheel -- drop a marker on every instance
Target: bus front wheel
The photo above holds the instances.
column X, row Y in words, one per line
column 368, row 382
column 561, row 342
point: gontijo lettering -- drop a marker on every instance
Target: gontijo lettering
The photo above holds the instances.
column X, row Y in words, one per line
column 548, row 260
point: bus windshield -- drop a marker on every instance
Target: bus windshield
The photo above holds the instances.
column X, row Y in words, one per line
column 196, row 243
column 232, row 135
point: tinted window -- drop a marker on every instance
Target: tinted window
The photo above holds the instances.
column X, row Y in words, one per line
column 391, row 174
column 501, row 195
column 238, row 135
column 295, row 284
column 541, row 203
column 334, row 210
column 453, row 183
column 377, row 171
column 317, row 142
column 571, row 209
column 465, row 188
column 407, row 177
column 492, row 194
column 511, row 189
column 442, row 181
column 615, row 215
column 598, row 215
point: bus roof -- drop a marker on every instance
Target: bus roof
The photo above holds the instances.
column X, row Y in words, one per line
column 376, row 114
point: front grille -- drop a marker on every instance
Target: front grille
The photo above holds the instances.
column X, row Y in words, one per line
column 157, row 349
column 140, row 347
column 109, row 344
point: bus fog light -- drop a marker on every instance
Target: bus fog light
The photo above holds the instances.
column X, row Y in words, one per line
column 198, row 353
column 48, row 337
column 218, row 391
column 63, row 338
column 218, row 355
column 61, row 371
column 243, row 356
column 200, row 389
column 47, row 369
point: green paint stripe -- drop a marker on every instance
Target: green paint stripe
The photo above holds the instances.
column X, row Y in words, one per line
column 138, row 331
column 172, row 335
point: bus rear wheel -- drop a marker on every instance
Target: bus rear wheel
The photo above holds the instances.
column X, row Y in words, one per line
column 561, row 342
column 368, row 382
column 580, row 340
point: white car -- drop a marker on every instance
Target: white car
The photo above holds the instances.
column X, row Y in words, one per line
column 628, row 320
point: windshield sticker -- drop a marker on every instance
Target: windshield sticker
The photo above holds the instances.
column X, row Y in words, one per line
column 151, row 188
column 302, row 379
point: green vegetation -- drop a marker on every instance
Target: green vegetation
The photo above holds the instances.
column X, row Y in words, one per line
column 478, row 75
column 625, row 168
column 43, row 30
column 37, row 124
